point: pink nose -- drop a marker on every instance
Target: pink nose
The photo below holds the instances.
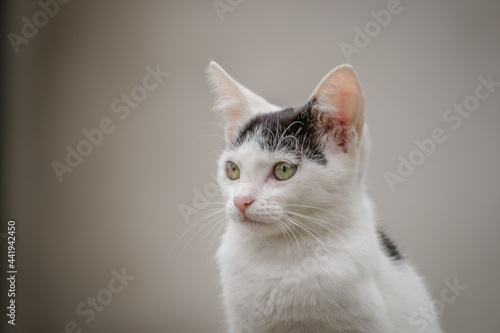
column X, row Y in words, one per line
column 242, row 203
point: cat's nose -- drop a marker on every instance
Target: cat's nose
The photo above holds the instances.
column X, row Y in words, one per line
column 242, row 203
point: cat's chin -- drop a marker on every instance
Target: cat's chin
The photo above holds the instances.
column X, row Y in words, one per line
column 254, row 223
column 256, row 227
column 251, row 224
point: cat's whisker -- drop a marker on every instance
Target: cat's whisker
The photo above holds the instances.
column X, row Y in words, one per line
column 216, row 228
column 221, row 225
column 293, row 227
column 210, row 135
column 212, row 228
column 321, row 223
column 305, row 228
column 270, row 132
column 205, row 215
column 199, row 220
column 282, row 228
column 216, row 217
column 215, row 151
column 319, row 208
column 293, row 234
column 286, row 229
column 290, row 135
column 219, row 124
column 327, row 225
column 313, row 219
column 275, row 136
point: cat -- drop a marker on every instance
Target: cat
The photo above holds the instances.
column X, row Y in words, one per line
column 301, row 251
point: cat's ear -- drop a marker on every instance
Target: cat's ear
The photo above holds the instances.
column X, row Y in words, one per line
column 340, row 102
column 235, row 102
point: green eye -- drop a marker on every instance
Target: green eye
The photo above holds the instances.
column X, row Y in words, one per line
column 232, row 170
column 284, row 171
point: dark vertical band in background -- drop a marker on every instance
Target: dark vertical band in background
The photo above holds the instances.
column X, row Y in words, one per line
column 4, row 7
column 6, row 56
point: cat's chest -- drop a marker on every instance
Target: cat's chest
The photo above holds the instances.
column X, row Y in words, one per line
column 270, row 283
column 290, row 270
column 316, row 289
column 262, row 296
column 274, row 297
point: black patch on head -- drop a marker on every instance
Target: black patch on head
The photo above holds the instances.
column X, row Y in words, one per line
column 389, row 246
column 293, row 130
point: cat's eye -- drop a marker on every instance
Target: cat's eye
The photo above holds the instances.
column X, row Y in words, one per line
column 232, row 170
column 284, row 171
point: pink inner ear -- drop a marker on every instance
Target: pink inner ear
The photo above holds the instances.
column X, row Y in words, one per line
column 347, row 105
column 340, row 99
column 341, row 132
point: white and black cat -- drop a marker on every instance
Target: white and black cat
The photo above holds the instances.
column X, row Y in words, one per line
column 301, row 251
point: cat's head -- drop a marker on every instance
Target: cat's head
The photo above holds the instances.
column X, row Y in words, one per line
column 290, row 169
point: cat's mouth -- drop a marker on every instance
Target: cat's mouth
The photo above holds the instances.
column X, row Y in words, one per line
column 249, row 221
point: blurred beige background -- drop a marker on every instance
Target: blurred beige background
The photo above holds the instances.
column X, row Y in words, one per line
column 120, row 208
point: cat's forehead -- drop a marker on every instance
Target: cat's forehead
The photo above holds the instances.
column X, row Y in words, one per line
column 251, row 153
column 291, row 131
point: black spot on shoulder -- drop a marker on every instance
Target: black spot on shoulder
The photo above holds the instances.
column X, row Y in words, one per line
column 389, row 246
column 293, row 130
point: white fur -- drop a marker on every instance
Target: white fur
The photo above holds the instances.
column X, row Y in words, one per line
column 330, row 274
